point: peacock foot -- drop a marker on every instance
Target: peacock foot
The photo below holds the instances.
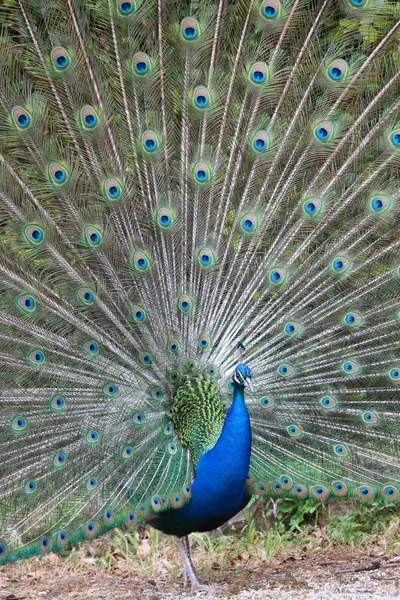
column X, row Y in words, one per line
column 191, row 578
column 188, row 572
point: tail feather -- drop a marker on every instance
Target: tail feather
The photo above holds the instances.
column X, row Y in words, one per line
column 175, row 177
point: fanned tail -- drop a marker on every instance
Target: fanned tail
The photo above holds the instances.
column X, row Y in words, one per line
column 175, row 177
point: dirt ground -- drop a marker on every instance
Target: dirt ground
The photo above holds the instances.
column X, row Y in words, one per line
column 296, row 577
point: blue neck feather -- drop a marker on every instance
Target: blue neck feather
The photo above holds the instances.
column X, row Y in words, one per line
column 219, row 488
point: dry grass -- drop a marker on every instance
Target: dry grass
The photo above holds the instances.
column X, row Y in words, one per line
column 145, row 564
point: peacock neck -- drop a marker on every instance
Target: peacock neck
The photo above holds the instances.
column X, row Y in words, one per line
column 219, row 487
column 228, row 462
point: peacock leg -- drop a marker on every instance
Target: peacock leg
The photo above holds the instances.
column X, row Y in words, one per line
column 189, row 572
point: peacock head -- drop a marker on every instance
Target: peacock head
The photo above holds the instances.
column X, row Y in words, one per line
column 242, row 376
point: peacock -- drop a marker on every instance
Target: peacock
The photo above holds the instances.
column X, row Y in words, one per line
column 199, row 262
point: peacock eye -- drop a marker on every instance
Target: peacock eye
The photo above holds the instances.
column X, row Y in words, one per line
column 61, row 59
column 190, row 29
column 141, row 64
column 125, row 8
column 324, row 131
column 201, row 97
column 150, row 141
column 89, row 118
column 202, row 173
column 259, row 73
column 261, row 141
column 21, row 117
column 271, row 9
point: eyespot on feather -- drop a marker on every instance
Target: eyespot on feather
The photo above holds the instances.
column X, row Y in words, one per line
column 45, row 545
column 320, row 492
column 294, row 431
column 125, row 9
column 173, row 345
column 285, row 370
column 92, row 437
column 260, row 141
column 141, row 64
column 390, row 492
column 338, row 70
column 380, row 204
column 394, row 374
column 340, row 451
column 62, row 539
column 172, row 449
column 341, row 264
column 353, row 319
column 90, row 530
column 91, row 347
column 145, row 358
column 36, row 358
column 204, row 341
column 249, row 223
column 138, row 313
column 293, row 329
column 165, row 218
column 173, row 376
column 58, row 174
column 127, row 452
column 357, row 3
column 271, row 10
column 324, row 131
column 33, row 234
column 138, row 418
column 202, row 98
column 202, row 173
column 57, row 403
column 61, row 59
column 30, row 487
column 140, row 261
column 150, row 142
column 277, row 275
column 26, row 303
column 206, row 257
column 85, row 296
column 18, row 424
column 185, row 303
column 312, row 207
column 59, row 460
column 110, row 389
column 191, row 364
column 91, row 484
column 267, row 402
column 168, row 429
column 365, row 492
column 328, row 402
column 112, row 189
column 395, row 138
column 190, row 29
column 21, row 117
column 93, row 236
column 351, row 367
column 156, row 392
column 339, row 488
column 300, row 491
column 89, row 118
column 131, row 519
column 286, row 482
column 259, row 74
column 369, row 417
column 108, row 517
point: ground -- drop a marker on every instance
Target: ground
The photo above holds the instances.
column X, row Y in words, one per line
column 298, row 576
column 313, row 556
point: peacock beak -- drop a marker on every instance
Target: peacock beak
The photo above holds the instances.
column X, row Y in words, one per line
column 249, row 384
